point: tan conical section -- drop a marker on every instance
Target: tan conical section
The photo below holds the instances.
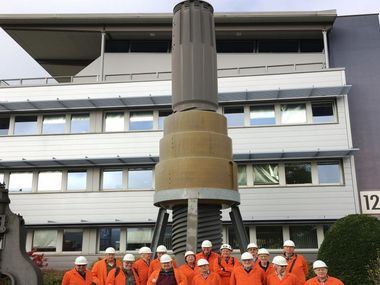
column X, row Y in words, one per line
column 195, row 152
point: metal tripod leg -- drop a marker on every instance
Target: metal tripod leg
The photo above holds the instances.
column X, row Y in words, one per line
column 159, row 229
column 237, row 223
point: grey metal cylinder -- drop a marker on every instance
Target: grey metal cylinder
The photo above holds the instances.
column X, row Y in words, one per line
column 194, row 70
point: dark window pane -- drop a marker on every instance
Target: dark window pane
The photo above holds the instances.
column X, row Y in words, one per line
column 117, row 46
column 326, row 229
column 232, row 239
column 234, row 115
column 25, row 125
column 269, row 236
column 138, row 237
column 72, row 240
column 304, row 236
column 109, row 237
column 312, row 45
column 4, row 126
column 329, row 172
column 44, row 240
column 298, row 173
column 323, row 112
column 278, row 45
column 150, row 46
column 234, row 46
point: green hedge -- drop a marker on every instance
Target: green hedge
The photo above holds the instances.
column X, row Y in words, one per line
column 350, row 249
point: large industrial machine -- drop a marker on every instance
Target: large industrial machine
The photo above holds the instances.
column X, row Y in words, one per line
column 14, row 262
column 196, row 177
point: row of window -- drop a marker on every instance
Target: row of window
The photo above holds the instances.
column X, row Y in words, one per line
column 132, row 238
column 281, row 114
column 260, row 174
column 290, row 173
column 222, row 46
column 77, row 180
column 118, row 121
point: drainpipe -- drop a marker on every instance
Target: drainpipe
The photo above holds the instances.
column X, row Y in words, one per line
column 326, row 48
column 102, row 47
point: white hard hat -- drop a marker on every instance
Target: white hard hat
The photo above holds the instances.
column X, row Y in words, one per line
column 289, row 243
column 319, row 264
column 202, row 262
column 225, row 246
column 246, row 256
column 144, row 249
column 206, row 243
column 263, row 251
column 279, row 260
column 161, row 248
column 129, row 257
column 252, row 245
column 80, row 260
column 187, row 253
column 165, row 258
column 110, row 250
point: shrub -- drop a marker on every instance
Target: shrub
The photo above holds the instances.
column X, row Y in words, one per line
column 52, row 277
column 350, row 248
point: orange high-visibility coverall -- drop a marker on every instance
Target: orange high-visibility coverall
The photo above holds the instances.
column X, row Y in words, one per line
column 188, row 272
column 212, row 279
column 72, row 277
column 211, row 258
column 289, row 279
column 156, row 264
column 142, row 270
column 99, row 271
column 120, row 277
column 300, row 268
column 178, row 275
column 330, row 281
column 241, row 277
column 269, row 269
column 224, row 269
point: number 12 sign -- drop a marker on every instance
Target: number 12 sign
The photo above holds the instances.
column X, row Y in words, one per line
column 370, row 201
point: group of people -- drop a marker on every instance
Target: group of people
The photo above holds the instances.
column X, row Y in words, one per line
column 204, row 268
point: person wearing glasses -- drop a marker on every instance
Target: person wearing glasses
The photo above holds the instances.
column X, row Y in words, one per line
column 125, row 275
column 280, row 276
column 79, row 275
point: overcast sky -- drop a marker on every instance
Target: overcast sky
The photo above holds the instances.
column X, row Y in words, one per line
column 16, row 63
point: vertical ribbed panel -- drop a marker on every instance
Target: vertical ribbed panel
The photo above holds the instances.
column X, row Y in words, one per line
column 209, row 227
column 194, row 71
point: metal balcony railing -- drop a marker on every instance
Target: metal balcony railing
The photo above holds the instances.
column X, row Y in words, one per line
column 162, row 75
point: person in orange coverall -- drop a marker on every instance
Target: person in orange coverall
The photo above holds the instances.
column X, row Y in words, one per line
column 167, row 275
column 225, row 264
column 297, row 264
column 205, row 276
column 142, row 265
column 125, row 275
column 155, row 264
column 207, row 253
column 189, row 269
column 280, row 276
column 322, row 278
column 264, row 262
column 247, row 273
column 79, row 275
column 102, row 267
